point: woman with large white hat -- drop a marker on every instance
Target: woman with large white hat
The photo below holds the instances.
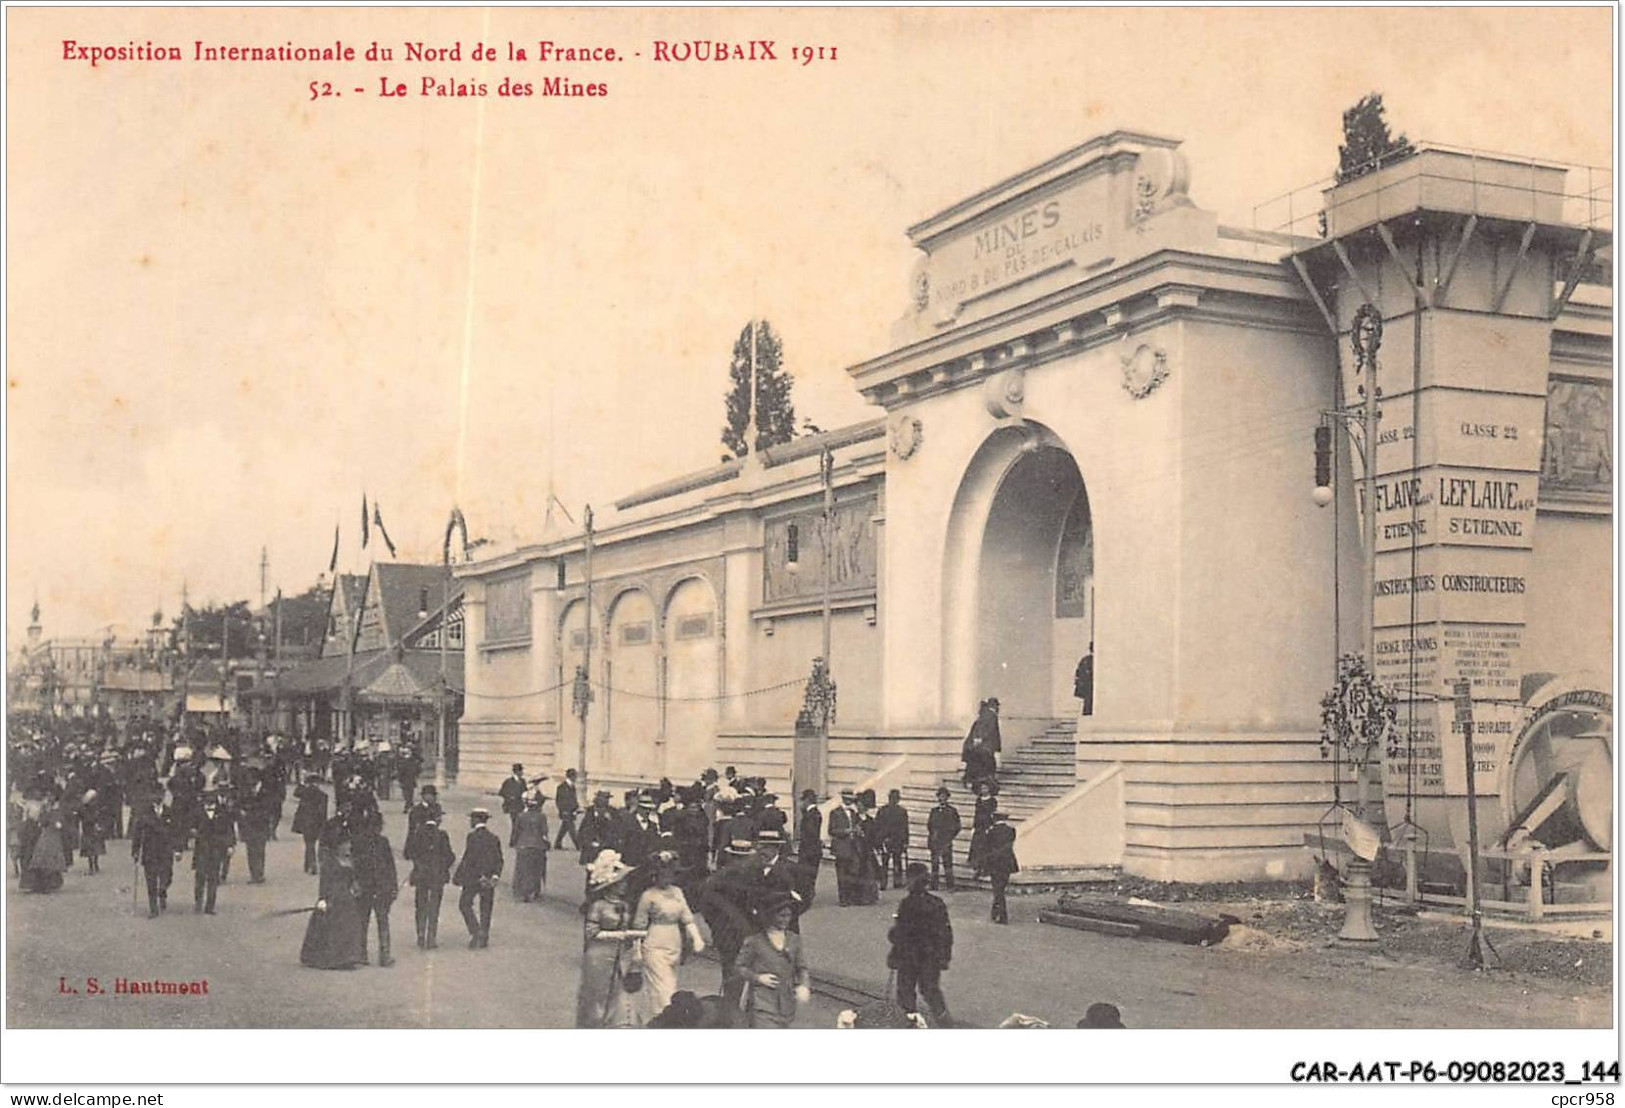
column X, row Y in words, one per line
column 611, row 956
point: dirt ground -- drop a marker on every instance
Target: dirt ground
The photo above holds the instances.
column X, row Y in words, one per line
column 1284, row 917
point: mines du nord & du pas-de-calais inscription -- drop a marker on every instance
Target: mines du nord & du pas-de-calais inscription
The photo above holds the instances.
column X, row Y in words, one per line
column 462, row 69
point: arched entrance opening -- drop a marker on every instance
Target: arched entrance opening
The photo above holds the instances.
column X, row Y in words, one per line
column 1019, row 603
column 629, row 702
column 691, row 680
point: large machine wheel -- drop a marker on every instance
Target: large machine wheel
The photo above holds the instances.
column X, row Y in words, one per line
column 1558, row 783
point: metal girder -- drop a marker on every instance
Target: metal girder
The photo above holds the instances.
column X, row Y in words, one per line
column 1422, row 296
column 1314, row 294
column 1512, row 270
column 1443, row 284
column 1343, row 256
column 1582, row 258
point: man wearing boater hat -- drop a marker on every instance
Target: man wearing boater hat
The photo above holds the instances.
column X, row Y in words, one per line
column 477, row 876
column 642, row 831
column 725, row 902
column 845, row 842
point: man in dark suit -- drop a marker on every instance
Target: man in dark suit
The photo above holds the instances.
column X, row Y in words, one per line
column 276, row 789
column 568, row 805
column 922, row 945
column 254, row 827
column 891, row 837
column 809, row 846
column 1001, row 862
column 775, row 879
column 1083, row 681
column 429, row 850
column 513, row 792
column 153, row 846
column 310, row 817
column 846, row 843
column 425, row 810
column 642, row 835
column 725, row 903
column 375, row 874
column 407, row 768
column 477, row 875
column 942, row 826
column 691, row 831
column 600, row 828
column 215, row 842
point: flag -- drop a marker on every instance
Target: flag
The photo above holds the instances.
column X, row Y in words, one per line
column 333, row 562
column 378, row 522
column 363, row 521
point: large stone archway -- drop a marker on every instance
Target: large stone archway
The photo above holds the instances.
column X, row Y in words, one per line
column 691, row 679
column 629, row 702
column 1019, row 578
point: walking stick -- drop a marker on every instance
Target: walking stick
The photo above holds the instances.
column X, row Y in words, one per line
column 135, row 884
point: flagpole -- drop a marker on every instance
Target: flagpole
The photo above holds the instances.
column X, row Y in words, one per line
column 276, row 680
column 750, row 410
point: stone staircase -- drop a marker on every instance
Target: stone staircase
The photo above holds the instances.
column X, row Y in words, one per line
column 1031, row 778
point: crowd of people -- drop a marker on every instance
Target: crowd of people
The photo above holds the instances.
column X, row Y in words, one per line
column 719, row 850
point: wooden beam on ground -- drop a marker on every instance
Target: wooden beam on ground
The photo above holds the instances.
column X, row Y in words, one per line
column 1086, row 923
column 1153, row 921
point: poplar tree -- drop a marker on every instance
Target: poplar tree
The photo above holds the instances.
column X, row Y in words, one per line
column 775, row 410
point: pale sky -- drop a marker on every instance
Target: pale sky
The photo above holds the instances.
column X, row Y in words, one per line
column 231, row 310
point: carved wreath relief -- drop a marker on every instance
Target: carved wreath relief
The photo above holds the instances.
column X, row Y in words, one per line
column 906, row 433
column 1143, row 371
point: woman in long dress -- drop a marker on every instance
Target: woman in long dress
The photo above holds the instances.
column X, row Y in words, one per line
column 92, row 831
column 986, row 804
column 982, row 745
column 337, row 935
column 866, row 886
column 530, row 850
column 48, row 859
column 664, row 913
column 609, row 948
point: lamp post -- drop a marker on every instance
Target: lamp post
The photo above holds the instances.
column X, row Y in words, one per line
column 1365, row 335
column 440, row 701
column 455, row 523
column 1359, row 712
column 582, row 693
column 818, row 699
column 826, row 473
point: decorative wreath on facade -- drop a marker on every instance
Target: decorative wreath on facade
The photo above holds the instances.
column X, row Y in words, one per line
column 1356, row 714
column 818, row 699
